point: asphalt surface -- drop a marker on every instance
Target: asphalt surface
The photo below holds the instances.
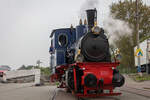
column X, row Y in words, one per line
column 25, row 92
column 30, row 92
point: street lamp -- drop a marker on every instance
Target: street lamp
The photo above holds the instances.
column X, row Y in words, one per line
column 38, row 63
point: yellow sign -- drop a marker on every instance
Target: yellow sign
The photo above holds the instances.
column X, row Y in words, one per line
column 139, row 52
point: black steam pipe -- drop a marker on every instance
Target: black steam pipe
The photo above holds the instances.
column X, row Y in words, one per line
column 91, row 18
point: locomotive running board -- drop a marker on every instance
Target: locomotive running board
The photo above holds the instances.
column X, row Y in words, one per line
column 98, row 95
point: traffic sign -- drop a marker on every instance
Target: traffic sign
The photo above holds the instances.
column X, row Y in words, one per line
column 139, row 52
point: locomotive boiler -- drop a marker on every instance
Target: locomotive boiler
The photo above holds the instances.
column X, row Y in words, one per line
column 94, row 45
column 81, row 60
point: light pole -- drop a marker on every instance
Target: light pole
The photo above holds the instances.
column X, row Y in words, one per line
column 147, row 57
column 137, row 34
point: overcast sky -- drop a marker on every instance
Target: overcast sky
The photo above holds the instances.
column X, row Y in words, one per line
column 25, row 26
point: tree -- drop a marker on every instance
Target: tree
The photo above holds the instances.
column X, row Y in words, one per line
column 23, row 67
column 126, row 11
column 45, row 70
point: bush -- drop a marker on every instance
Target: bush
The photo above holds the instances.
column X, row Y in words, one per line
column 138, row 78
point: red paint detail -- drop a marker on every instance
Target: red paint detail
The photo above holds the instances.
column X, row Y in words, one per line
column 103, row 71
column 75, row 79
column 60, row 70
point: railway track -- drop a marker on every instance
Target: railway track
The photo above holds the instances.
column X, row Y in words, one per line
column 131, row 90
column 141, row 92
column 59, row 93
column 54, row 94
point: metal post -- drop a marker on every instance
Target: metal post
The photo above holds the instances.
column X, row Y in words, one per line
column 137, row 35
column 51, row 63
column 147, row 57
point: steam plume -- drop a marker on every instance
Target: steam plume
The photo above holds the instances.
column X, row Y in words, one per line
column 88, row 4
column 116, row 28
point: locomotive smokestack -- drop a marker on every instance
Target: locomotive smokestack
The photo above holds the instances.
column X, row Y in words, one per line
column 91, row 18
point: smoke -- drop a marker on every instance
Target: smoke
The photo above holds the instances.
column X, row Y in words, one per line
column 88, row 4
column 116, row 28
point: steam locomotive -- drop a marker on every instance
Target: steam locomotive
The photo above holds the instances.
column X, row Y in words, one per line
column 80, row 60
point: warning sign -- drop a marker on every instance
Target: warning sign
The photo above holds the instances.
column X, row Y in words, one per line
column 139, row 52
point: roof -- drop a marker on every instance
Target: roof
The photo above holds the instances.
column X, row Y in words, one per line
column 53, row 32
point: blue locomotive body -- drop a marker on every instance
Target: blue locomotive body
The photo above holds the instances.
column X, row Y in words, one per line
column 62, row 40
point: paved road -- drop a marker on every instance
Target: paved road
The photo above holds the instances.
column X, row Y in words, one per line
column 25, row 92
column 29, row 92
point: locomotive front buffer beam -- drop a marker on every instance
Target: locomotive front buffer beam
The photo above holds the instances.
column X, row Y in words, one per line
column 97, row 79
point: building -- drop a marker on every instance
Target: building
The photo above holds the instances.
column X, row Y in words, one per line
column 5, row 68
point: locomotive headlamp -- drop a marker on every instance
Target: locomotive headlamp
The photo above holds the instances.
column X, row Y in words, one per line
column 96, row 30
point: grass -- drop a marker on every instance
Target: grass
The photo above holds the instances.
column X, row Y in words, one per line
column 138, row 78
